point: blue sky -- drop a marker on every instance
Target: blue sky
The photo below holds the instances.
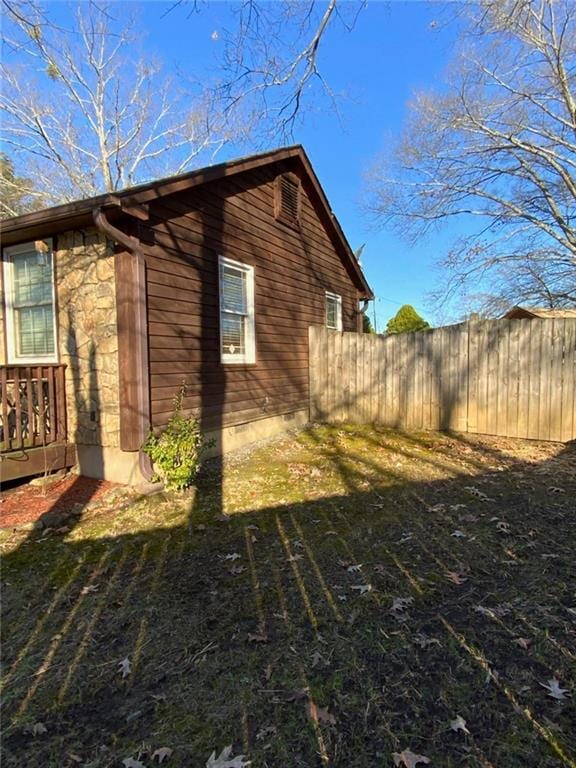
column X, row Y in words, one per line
column 395, row 49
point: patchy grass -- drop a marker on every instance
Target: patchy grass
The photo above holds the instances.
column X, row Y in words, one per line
column 274, row 651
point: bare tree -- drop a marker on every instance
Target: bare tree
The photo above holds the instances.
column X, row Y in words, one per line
column 497, row 146
column 271, row 68
column 83, row 114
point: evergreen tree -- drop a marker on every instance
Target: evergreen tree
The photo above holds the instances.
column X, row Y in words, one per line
column 406, row 320
column 15, row 191
column 367, row 325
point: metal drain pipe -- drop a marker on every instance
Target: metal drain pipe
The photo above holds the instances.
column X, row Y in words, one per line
column 133, row 245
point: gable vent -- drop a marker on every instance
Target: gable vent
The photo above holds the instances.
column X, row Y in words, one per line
column 288, row 199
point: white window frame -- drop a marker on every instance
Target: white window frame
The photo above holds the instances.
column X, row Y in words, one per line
column 338, row 299
column 249, row 356
column 8, row 270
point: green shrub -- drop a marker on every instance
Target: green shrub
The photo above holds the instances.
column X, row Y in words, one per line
column 175, row 452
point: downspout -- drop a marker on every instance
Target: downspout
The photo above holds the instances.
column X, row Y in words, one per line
column 132, row 244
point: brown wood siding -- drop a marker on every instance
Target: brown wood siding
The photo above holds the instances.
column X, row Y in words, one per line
column 293, row 270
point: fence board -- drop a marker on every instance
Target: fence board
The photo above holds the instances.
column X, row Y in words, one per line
column 555, row 384
column 513, row 378
column 534, row 400
column 568, row 408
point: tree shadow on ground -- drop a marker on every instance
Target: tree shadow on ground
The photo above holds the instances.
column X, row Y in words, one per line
column 367, row 588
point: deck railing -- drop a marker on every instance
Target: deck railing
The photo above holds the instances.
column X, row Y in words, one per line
column 33, row 406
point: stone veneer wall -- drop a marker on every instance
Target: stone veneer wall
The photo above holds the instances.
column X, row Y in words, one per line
column 87, row 336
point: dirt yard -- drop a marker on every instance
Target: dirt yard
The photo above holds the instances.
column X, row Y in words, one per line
column 348, row 597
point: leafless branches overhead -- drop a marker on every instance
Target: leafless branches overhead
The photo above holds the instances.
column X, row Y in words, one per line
column 83, row 112
column 497, row 144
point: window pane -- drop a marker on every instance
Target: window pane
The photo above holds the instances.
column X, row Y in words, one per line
column 233, row 290
column 34, row 330
column 233, row 334
column 32, row 279
column 331, row 312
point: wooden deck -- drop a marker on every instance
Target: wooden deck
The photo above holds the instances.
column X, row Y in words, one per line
column 33, row 425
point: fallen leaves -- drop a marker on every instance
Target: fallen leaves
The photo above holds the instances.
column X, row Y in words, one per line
column 266, row 732
column 400, row 605
column 362, row 589
column 522, row 642
column 459, row 724
column 408, row 758
column 555, row 690
column 423, row 641
column 319, row 714
column 161, row 754
column 477, row 493
column 225, row 759
column 125, row 667
column 130, row 762
column 455, row 577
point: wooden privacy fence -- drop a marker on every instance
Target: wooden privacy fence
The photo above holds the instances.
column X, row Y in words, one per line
column 513, row 378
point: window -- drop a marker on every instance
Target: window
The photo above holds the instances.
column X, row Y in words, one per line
column 237, row 338
column 333, row 311
column 29, row 292
column 288, row 199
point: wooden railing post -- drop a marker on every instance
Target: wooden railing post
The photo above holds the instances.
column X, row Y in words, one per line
column 32, row 406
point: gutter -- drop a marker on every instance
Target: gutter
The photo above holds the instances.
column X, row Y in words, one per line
column 140, row 352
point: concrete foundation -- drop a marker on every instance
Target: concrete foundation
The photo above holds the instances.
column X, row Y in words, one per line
column 115, row 465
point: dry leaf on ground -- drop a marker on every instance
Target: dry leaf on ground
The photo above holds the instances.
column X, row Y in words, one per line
column 400, row 604
column 408, row 758
column 362, row 588
column 130, row 762
column 459, row 724
column 555, row 690
column 125, row 667
column 455, row 577
column 423, row 641
column 477, row 493
column 266, row 732
column 522, row 642
column 225, row 760
column 319, row 714
column 161, row 754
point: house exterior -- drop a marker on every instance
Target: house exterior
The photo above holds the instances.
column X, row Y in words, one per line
column 210, row 279
column 529, row 313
